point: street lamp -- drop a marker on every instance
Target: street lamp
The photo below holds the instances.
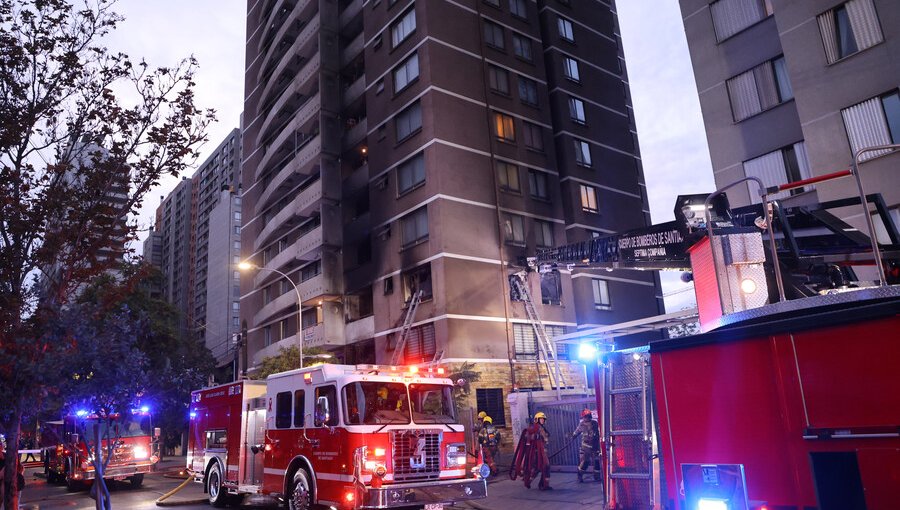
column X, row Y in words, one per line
column 245, row 266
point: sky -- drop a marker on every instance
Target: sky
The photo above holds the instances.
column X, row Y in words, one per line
column 667, row 111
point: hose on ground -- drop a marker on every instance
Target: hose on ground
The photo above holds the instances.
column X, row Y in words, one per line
column 189, row 479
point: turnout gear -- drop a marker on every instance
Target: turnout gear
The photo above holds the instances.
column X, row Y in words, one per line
column 530, row 458
column 482, row 415
column 589, row 450
column 489, row 440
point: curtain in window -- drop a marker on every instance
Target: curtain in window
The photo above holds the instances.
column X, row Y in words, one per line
column 732, row 16
column 829, row 36
column 744, row 96
column 770, row 168
column 803, row 163
column 864, row 21
column 765, row 85
column 866, row 126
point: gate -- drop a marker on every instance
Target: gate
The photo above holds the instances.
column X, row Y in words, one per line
column 562, row 418
column 629, row 426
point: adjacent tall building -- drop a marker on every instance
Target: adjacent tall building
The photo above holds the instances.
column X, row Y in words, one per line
column 196, row 243
column 790, row 89
column 399, row 146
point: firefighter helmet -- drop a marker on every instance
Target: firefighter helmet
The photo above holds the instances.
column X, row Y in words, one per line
column 482, row 414
column 539, row 415
column 586, row 412
column 488, row 419
column 383, row 392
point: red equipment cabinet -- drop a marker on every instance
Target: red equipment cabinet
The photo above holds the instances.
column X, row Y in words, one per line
column 344, row 436
column 807, row 400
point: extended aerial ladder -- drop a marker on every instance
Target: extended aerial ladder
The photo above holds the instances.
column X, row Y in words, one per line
column 408, row 320
column 546, row 349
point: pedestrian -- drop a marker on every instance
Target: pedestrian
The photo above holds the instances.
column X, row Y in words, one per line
column 531, row 459
column 489, row 439
column 589, row 451
column 29, row 445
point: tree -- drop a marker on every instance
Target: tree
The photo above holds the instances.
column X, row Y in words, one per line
column 288, row 358
column 84, row 135
column 462, row 390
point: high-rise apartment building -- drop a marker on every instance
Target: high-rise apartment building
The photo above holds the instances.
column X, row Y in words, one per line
column 196, row 244
column 789, row 89
column 399, row 146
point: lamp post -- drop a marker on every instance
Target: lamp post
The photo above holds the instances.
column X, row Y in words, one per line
column 244, row 266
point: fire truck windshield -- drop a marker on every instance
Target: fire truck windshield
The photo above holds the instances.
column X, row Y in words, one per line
column 375, row 403
column 139, row 426
column 432, row 403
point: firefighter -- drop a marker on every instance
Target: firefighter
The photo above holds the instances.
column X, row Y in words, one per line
column 531, row 457
column 479, row 421
column 381, row 400
column 589, row 452
column 489, row 439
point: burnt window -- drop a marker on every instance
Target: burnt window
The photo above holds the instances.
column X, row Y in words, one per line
column 415, row 280
column 551, row 288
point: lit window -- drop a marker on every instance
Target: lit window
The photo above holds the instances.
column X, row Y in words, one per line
column 504, row 127
column 570, row 69
column 589, row 198
column 414, row 227
column 406, row 73
column 403, row 28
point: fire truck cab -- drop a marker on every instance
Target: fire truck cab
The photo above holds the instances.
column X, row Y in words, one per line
column 344, row 436
column 133, row 455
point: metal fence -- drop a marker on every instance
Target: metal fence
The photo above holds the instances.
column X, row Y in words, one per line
column 562, row 419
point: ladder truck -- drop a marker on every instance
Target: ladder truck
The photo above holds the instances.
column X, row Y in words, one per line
column 789, row 397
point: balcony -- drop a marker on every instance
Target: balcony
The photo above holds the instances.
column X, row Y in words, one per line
column 299, row 160
column 358, row 179
column 350, row 12
column 355, row 90
column 361, row 329
column 320, row 335
column 290, row 174
column 306, row 34
column 301, row 50
column 271, row 23
column 303, row 204
column 356, row 134
column 304, row 249
column 310, row 291
column 301, row 122
column 353, row 49
column 292, row 102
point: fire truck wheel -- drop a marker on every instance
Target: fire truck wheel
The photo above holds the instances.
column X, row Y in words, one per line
column 51, row 475
column 300, row 493
column 218, row 496
column 136, row 480
column 71, row 483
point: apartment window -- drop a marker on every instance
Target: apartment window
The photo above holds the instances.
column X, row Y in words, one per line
column 285, row 286
column 526, row 342
column 576, row 109
column 601, row 294
column 513, row 229
column 414, row 227
column 518, row 8
column 415, row 280
column 504, row 127
column 310, row 270
column 565, row 29
column 733, row 16
column 784, row 165
column 508, row 177
column 236, row 275
column 528, row 91
column 237, row 229
column 420, row 344
column 873, row 122
column 310, row 318
column 582, row 153
column 533, row 136
column 570, row 69
column 267, row 336
column 282, row 329
column 493, row 35
column 236, row 306
column 551, row 288
column 408, row 121
column 403, row 28
column 589, row 198
column 522, row 47
column 490, row 400
column 388, row 288
column 537, row 182
column 543, row 233
column 759, row 89
column 849, row 28
column 411, row 173
column 406, row 73
column 498, row 79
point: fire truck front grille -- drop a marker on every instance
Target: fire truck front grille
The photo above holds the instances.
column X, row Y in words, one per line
column 416, row 454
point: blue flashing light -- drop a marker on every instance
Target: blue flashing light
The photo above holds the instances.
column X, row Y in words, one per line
column 81, row 413
column 145, row 409
column 587, row 351
column 712, row 504
column 193, row 414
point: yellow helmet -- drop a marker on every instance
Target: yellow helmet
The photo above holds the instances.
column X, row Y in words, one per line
column 383, row 392
column 482, row 414
column 539, row 415
column 488, row 419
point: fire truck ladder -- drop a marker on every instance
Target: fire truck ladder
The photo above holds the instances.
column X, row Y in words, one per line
column 414, row 301
column 545, row 345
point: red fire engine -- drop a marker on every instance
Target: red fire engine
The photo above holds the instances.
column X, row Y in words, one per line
column 134, row 449
column 338, row 435
column 789, row 398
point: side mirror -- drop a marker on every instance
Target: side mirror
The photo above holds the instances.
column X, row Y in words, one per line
column 74, row 438
column 322, row 412
column 157, row 432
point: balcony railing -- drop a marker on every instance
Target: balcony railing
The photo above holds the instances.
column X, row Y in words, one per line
column 356, row 89
column 296, row 158
column 287, row 25
column 304, row 249
column 350, row 12
column 302, row 205
column 310, row 290
column 302, row 48
column 356, row 134
column 300, row 166
column 353, row 49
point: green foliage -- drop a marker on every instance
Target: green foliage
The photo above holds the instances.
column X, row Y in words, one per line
column 288, row 358
column 461, row 392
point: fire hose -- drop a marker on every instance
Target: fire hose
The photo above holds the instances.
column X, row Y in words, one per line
column 162, row 499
